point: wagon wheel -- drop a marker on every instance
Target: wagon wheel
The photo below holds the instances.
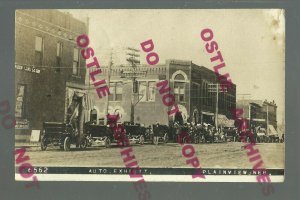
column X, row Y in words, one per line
column 67, row 144
column 83, row 143
column 166, row 138
column 141, row 139
column 185, row 141
column 107, row 142
column 43, row 144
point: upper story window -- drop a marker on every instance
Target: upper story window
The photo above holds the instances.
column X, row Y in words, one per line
column 205, row 93
column 143, row 90
column 179, row 79
column 39, row 48
column 151, row 90
column 76, row 62
column 116, row 91
column 147, row 90
column 59, row 48
column 179, row 88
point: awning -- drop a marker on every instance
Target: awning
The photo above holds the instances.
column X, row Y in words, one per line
column 224, row 121
column 272, row 130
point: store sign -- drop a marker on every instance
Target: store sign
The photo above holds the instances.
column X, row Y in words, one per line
column 28, row 69
column 22, row 124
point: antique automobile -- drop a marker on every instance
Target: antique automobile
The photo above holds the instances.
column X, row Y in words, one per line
column 194, row 132
column 261, row 135
column 208, row 135
column 149, row 134
column 231, row 134
column 160, row 133
column 219, row 136
column 135, row 132
column 62, row 135
column 198, row 134
column 98, row 135
column 274, row 138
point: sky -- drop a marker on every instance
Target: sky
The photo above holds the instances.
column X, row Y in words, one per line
column 252, row 42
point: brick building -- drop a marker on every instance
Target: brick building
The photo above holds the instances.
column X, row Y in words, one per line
column 48, row 67
column 261, row 113
column 188, row 82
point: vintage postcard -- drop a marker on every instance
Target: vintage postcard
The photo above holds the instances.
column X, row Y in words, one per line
column 150, row 95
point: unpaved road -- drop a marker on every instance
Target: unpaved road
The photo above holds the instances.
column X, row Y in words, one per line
column 218, row 155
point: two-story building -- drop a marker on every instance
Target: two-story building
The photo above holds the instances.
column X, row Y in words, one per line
column 189, row 83
column 48, row 67
column 259, row 113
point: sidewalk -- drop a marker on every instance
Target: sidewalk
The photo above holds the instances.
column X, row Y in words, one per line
column 27, row 144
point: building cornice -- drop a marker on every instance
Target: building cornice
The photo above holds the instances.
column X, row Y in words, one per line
column 54, row 30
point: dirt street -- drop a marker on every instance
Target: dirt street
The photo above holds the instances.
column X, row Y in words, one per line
column 218, row 155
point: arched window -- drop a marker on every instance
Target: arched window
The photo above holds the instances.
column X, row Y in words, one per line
column 179, row 77
column 179, row 88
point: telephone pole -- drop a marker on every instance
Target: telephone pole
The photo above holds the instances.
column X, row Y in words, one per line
column 215, row 88
column 108, row 85
column 133, row 59
column 267, row 118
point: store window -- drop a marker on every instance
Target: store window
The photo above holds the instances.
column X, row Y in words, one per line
column 119, row 91
column 116, row 91
column 20, row 101
column 147, row 90
column 58, row 55
column 39, row 48
column 76, row 62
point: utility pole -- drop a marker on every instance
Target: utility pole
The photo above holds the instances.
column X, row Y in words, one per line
column 133, row 60
column 214, row 88
column 108, row 85
column 217, row 106
column 267, row 118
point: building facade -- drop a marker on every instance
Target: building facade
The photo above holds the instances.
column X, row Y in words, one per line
column 260, row 113
column 48, row 67
column 188, row 82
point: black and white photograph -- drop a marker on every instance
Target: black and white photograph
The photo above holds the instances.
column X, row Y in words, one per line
column 158, row 95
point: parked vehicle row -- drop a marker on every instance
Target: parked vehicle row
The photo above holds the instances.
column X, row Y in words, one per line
column 64, row 135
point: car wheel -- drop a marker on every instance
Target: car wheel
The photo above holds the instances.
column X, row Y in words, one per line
column 107, row 143
column 83, row 143
column 43, row 144
column 67, row 144
column 141, row 140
